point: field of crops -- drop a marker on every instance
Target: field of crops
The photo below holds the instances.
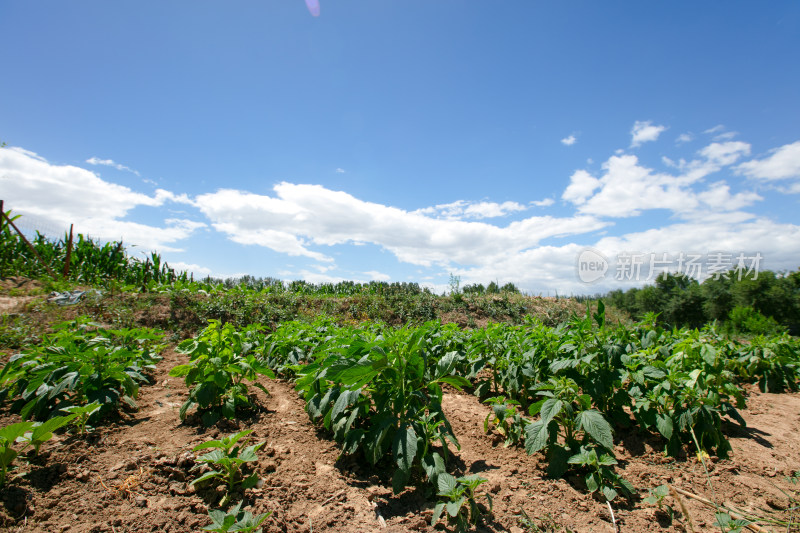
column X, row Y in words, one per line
column 320, row 421
column 160, row 403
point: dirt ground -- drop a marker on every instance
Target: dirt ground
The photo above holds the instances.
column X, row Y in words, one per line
column 132, row 475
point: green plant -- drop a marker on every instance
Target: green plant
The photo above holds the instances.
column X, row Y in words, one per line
column 79, row 363
column 227, row 457
column 566, row 422
column 43, row 431
column 505, row 418
column 728, row 524
column 25, row 434
column 82, row 414
column 9, row 436
column 235, row 520
column 601, row 476
column 657, row 496
column 460, row 501
column 384, row 394
column 221, row 359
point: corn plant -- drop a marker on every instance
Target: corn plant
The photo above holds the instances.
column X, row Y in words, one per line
column 227, row 457
column 221, row 359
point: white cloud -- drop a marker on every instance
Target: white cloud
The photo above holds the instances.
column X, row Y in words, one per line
column 197, row 270
column 784, row 163
column 716, row 129
column 548, row 269
column 644, row 131
column 626, row 188
column 569, row 141
column 684, row 138
column 543, row 203
column 340, row 171
column 65, row 194
column 581, row 186
column 474, row 210
column 726, row 136
column 374, row 275
column 727, row 153
column 110, row 163
column 299, row 216
column 719, row 198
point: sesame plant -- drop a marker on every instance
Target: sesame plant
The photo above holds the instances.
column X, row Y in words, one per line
column 221, row 360
column 458, row 501
column 79, row 363
column 506, row 420
column 227, row 458
column 15, row 438
column 383, row 396
column 235, row 520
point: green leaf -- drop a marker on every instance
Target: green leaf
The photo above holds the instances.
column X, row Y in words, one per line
column 551, row 408
column 536, row 437
column 453, row 508
column 208, row 475
column 446, row 483
column 437, row 513
column 664, row 425
column 609, row 492
column 180, row 370
column 593, row 422
column 455, row 381
column 400, row 480
column 404, row 447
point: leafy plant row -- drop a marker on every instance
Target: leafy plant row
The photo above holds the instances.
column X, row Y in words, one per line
column 561, row 391
column 78, row 364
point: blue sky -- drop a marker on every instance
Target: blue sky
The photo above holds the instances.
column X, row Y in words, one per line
column 408, row 140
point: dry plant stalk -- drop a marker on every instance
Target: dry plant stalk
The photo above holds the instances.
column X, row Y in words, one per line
column 126, row 487
column 682, row 505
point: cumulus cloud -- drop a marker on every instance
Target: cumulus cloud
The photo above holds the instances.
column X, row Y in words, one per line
column 581, row 186
column 644, row 131
column 569, row 141
column 684, row 138
column 626, row 187
column 301, row 216
column 727, row 153
column 110, row 163
column 549, row 269
column 784, row 163
column 65, row 194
